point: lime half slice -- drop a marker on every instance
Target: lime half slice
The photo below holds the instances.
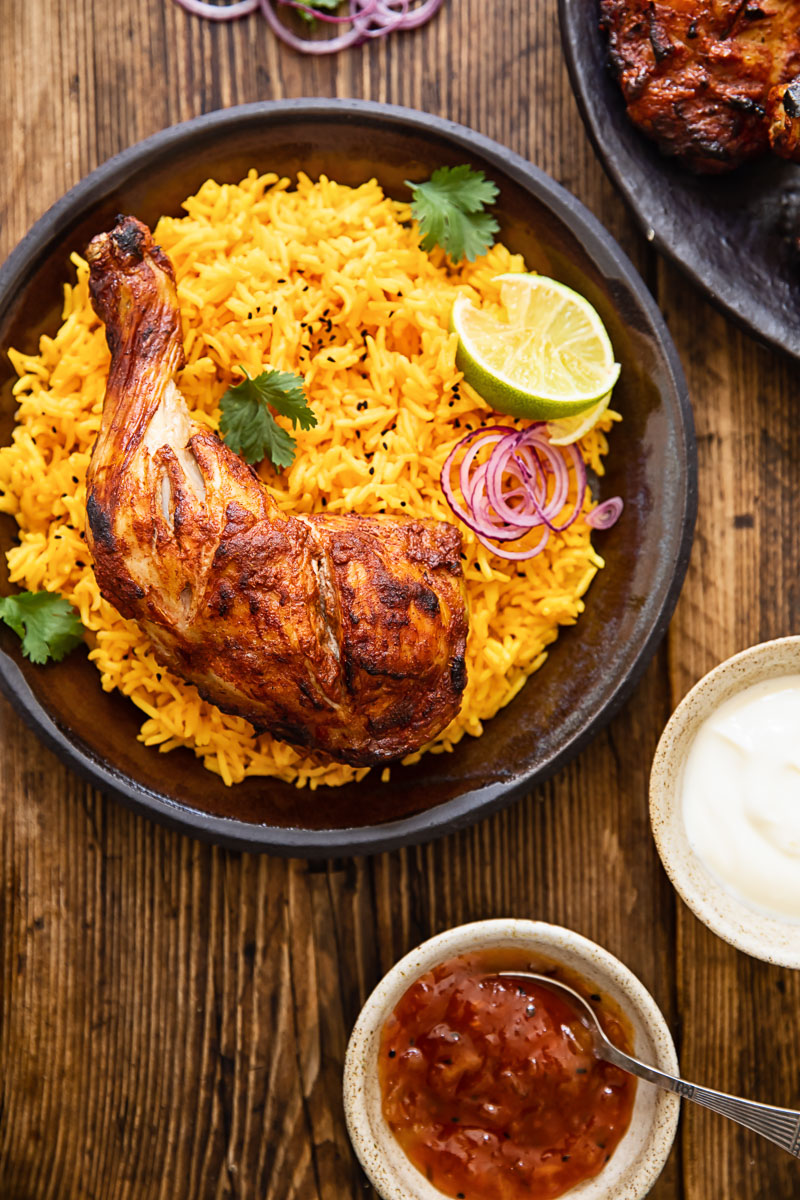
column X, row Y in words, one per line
column 551, row 358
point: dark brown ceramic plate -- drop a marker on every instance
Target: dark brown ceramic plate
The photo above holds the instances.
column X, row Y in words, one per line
column 592, row 667
column 733, row 235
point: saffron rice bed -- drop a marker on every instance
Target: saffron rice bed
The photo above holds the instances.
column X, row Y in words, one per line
column 329, row 282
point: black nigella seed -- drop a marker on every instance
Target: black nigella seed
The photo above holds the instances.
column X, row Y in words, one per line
column 594, row 996
column 372, row 470
column 392, row 1053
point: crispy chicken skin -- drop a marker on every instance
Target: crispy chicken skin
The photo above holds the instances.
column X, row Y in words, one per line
column 706, row 78
column 339, row 634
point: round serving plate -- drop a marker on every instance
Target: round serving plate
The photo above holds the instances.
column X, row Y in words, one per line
column 734, row 235
column 652, row 465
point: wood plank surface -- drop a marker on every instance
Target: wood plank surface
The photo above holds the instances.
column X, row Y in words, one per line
column 173, row 1017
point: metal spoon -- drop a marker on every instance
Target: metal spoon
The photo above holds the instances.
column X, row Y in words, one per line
column 779, row 1125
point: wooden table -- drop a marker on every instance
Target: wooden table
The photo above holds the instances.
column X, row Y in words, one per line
column 173, row 1018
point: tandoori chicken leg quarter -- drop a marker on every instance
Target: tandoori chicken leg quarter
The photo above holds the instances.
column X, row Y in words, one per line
column 339, row 634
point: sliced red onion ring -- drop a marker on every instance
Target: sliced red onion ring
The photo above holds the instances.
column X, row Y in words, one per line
column 523, row 485
column 219, row 12
column 606, row 514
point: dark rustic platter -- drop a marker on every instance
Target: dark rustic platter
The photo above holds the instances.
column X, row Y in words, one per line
column 591, row 669
column 733, row 235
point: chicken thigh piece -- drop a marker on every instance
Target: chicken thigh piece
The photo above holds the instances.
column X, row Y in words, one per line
column 339, row 634
column 707, row 79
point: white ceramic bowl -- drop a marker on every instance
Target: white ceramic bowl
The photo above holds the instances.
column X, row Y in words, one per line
column 762, row 936
column 639, row 1157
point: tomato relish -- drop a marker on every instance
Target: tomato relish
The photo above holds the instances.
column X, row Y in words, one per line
column 491, row 1085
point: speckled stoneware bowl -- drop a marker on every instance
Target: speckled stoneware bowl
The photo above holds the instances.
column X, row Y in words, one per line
column 638, row 1159
column 768, row 938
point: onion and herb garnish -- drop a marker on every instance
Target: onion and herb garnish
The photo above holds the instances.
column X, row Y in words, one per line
column 522, row 486
column 366, row 19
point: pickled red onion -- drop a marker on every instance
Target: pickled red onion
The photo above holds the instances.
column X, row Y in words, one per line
column 523, row 485
column 606, row 514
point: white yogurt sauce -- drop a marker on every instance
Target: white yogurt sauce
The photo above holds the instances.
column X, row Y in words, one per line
column 741, row 796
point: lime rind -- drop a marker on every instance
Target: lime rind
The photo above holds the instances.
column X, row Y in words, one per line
column 563, row 431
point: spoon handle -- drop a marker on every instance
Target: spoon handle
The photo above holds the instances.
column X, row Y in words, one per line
column 779, row 1125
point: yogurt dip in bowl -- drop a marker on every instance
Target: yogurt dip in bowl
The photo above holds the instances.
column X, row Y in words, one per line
column 725, row 800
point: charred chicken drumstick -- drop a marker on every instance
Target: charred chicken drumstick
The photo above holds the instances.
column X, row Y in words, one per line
column 710, row 80
column 340, row 634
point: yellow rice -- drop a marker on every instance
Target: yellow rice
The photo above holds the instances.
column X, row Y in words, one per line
column 256, row 265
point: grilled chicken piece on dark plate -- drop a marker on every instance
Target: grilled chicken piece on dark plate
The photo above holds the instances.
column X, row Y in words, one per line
column 707, row 79
column 339, row 634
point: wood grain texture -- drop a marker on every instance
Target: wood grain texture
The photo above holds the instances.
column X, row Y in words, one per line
column 173, row 1018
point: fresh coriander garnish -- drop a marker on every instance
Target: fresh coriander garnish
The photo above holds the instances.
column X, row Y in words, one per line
column 308, row 11
column 46, row 622
column 247, row 423
column 449, row 210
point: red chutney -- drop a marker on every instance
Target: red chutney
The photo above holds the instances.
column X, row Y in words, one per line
column 491, row 1085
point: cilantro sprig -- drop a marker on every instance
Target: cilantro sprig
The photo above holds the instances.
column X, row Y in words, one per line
column 312, row 7
column 46, row 622
column 247, row 423
column 449, row 211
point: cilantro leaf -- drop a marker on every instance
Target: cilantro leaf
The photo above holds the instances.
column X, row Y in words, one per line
column 247, row 423
column 312, row 6
column 449, row 211
column 46, row 622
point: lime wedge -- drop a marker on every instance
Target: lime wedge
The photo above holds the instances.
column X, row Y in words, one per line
column 550, row 358
column 566, row 430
